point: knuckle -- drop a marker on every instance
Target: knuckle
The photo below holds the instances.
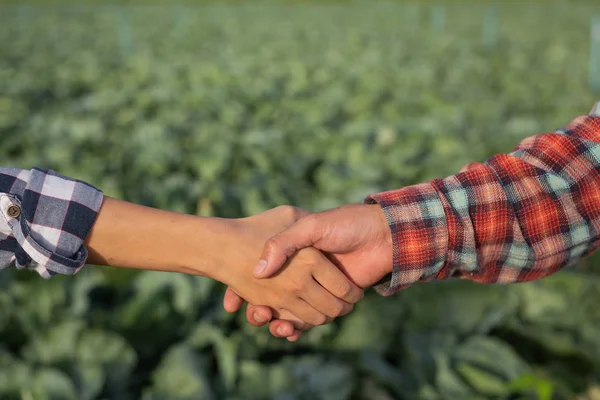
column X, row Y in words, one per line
column 344, row 288
column 311, row 220
column 307, row 259
column 311, row 260
column 337, row 310
column 319, row 320
column 272, row 244
column 277, row 245
column 298, row 285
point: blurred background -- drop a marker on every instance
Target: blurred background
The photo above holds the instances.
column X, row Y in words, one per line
column 231, row 108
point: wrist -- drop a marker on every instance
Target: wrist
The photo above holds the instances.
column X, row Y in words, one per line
column 127, row 235
column 206, row 246
column 385, row 237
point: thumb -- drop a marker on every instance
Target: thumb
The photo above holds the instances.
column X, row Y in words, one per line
column 285, row 244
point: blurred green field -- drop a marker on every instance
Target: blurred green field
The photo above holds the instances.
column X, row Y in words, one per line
column 229, row 110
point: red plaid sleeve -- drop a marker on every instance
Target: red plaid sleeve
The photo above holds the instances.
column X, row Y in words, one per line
column 517, row 217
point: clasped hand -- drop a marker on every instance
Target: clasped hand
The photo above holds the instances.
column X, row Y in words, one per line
column 313, row 266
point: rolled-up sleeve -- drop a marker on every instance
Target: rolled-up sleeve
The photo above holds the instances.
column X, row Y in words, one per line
column 44, row 220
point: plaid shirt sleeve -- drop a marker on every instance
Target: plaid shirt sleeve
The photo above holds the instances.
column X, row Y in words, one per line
column 517, row 217
column 44, row 219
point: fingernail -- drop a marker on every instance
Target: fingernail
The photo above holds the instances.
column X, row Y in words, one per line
column 281, row 331
column 258, row 318
column 260, row 267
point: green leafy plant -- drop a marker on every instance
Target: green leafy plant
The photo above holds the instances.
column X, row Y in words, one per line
column 229, row 110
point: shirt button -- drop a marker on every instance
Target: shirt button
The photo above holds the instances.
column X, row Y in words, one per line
column 14, row 211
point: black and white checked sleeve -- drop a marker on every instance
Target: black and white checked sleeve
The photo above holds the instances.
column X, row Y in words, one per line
column 44, row 219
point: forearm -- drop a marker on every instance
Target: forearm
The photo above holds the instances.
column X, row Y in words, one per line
column 54, row 225
column 127, row 235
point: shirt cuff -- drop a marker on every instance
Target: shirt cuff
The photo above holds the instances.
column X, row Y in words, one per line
column 417, row 220
column 50, row 216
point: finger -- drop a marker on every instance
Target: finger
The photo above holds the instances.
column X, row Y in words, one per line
column 295, row 336
column 258, row 315
column 285, row 315
column 307, row 313
column 282, row 329
column 283, row 318
column 338, row 284
column 232, row 302
column 324, row 302
column 291, row 330
column 278, row 248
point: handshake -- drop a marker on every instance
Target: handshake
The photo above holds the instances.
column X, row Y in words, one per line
column 310, row 268
column 295, row 269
